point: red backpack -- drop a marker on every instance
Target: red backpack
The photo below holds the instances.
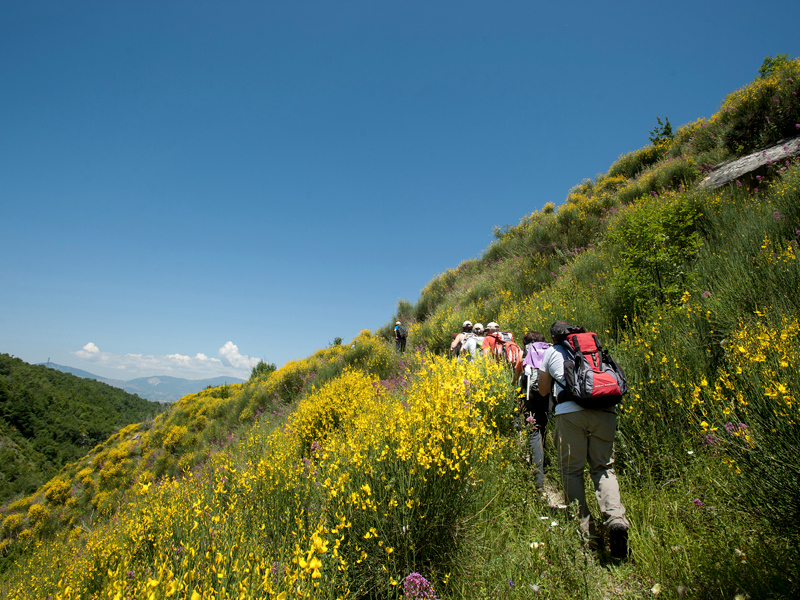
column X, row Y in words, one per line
column 593, row 379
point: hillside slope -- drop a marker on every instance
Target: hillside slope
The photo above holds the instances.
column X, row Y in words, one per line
column 49, row 418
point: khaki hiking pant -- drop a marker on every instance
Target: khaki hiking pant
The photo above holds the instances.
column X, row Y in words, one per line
column 588, row 436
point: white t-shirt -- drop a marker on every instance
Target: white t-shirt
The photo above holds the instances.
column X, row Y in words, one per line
column 553, row 365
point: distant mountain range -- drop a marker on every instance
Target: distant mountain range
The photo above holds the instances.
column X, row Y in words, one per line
column 157, row 389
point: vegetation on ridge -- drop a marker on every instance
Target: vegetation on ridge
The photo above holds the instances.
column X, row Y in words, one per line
column 340, row 475
column 49, row 418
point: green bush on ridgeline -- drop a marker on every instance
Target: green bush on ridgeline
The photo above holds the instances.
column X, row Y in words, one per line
column 764, row 111
column 263, row 369
column 631, row 164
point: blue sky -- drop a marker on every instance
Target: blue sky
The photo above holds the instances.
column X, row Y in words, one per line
column 187, row 187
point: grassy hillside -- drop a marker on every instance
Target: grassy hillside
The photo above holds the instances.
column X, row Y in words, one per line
column 362, row 473
column 49, row 418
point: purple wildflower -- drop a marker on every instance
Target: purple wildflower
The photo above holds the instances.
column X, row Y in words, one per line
column 710, row 440
column 416, row 587
column 732, row 428
column 697, row 502
column 706, row 294
column 277, row 571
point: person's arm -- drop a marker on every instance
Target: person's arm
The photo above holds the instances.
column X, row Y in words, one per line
column 545, row 383
column 455, row 342
column 517, row 370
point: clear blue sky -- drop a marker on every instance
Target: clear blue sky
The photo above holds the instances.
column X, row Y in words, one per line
column 175, row 176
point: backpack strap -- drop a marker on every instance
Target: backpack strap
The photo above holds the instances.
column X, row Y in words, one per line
column 599, row 352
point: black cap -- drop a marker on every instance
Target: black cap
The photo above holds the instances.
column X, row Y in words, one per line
column 561, row 329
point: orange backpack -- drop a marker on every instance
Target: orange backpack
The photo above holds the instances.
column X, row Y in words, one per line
column 505, row 347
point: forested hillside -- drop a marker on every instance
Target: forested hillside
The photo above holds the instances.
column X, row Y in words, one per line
column 363, row 473
column 49, row 418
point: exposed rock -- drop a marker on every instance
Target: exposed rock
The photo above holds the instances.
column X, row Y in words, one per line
column 746, row 169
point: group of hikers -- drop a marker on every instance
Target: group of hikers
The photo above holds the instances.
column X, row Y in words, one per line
column 575, row 380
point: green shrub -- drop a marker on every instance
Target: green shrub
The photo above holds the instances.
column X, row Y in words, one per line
column 655, row 244
column 764, row 111
column 631, row 164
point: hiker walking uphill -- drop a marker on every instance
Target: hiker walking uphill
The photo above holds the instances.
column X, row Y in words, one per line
column 501, row 345
column 400, row 335
column 460, row 338
column 535, row 409
column 587, row 383
column 472, row 346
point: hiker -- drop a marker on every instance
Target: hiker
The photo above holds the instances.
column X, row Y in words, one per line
column 582, row 436
column 500, row 344
column 473, row 344
column 535, row 409
column 460, row 338
column 400, row 335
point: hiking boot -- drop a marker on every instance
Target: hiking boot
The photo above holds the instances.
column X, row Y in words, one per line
column 618, row 541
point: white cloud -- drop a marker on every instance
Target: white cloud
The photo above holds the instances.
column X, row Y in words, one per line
column 178, row 358
column 231, row 356
column 89, row 352
column 231, row 364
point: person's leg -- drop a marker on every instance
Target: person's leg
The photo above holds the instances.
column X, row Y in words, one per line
column 537, row 436
column 536, row 445
column 601, row 467
column 572, row 444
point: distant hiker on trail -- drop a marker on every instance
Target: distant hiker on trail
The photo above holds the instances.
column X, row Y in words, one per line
column 400, row 335
column 583, row 435
column 460, row 338
column 535, row 409
column 501, row 345
column 473, row 344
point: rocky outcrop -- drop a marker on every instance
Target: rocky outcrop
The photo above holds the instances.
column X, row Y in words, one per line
column 747, row 168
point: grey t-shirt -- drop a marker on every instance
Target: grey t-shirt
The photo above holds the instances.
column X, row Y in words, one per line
column 553, row 365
